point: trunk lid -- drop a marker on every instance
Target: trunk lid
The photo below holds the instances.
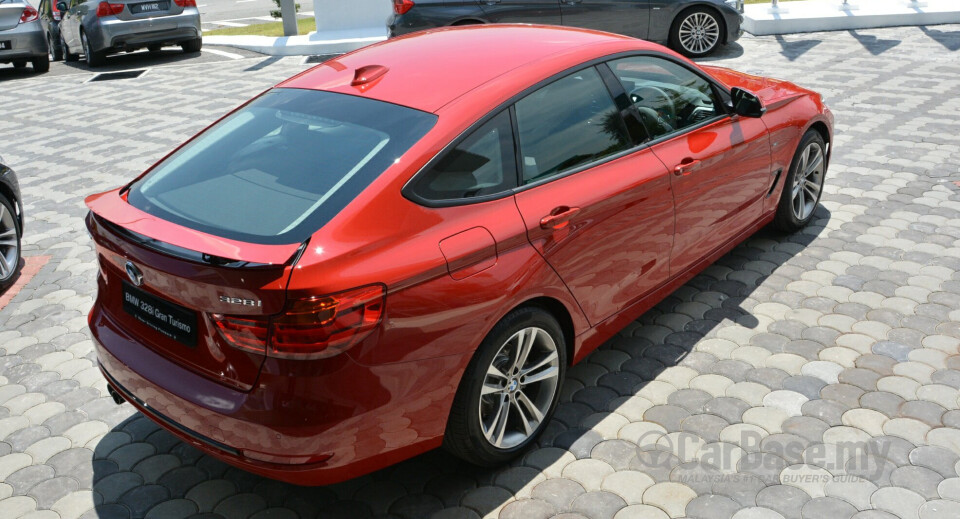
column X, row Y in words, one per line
column 10, row 15
column 185, row 277
column 143, row 9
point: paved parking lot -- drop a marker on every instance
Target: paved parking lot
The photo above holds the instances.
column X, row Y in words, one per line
column 813, row 375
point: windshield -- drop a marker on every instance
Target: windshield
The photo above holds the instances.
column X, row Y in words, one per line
column 278, row 169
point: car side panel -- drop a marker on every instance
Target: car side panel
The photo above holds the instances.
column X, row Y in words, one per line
column 545, row 12
column 722, row 194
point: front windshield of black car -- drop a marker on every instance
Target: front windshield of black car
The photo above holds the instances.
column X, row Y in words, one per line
column 281, row 167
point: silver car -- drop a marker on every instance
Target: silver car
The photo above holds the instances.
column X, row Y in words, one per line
column 97, row 28
column 21, row 36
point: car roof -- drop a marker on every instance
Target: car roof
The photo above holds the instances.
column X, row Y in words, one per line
column 427, row 70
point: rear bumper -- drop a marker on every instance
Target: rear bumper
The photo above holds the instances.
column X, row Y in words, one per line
column 115, row 34
column 322, row 426
column 28, row 42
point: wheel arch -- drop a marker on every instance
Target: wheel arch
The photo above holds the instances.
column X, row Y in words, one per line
column 469, row 20
column 559, row 311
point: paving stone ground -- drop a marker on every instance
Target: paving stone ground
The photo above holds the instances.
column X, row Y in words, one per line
column 806, row 376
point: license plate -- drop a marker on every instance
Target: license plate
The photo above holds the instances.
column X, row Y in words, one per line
column 169, row 319
column 149, row 7
column 6, row 45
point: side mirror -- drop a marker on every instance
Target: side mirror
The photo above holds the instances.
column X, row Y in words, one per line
column 62, row 7
column 746, row 103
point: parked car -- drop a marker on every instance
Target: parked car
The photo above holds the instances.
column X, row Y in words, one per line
column 11, row 225
column 21, row 36
column 50, row 20
column 692, row 27
column 406, row 246
column 98, row 28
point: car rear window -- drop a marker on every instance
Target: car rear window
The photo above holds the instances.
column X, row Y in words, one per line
column 281, row 167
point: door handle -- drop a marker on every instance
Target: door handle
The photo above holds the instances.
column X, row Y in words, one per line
column 559, row 217
column 685, row 167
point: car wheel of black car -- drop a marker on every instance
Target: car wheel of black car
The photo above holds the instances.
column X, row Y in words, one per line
column 19, row 64
column 509, row 390
column 93, row 58
column 55, row 52
column 192, row 46
column 67, row 55
column 696, row 32
column 9, row 242
column 153, row 49
column 804, row 184
column 41, row 65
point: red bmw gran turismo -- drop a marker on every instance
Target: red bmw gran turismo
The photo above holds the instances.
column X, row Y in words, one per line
column 406, row 246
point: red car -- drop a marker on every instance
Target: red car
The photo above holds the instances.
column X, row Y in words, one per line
column 406, row 246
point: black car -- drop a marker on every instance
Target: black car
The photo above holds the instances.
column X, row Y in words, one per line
column 692, row 27
column 50, row 20
column 11, row 225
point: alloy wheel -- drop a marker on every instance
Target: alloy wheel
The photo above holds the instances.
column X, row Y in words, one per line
column 9, row 244
column 86, row 48
column 699, row 33
column 519, row 388
column 808, row 181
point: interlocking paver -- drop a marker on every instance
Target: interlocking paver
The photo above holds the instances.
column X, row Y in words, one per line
column 831, row 354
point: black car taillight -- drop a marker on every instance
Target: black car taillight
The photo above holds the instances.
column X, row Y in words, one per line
column 402, row 6
column 108, row 9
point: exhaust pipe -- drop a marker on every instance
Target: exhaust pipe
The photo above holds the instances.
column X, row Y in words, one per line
column 115, row 395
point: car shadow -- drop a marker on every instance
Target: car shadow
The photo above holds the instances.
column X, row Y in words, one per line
column 728, row 51
column 137, row 59
column 138, row 465
column 8, row 72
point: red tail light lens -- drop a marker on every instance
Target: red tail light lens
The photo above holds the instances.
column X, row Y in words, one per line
column 108, row 9
column 314, row 328
column 186, row 3
column 29, row 14
column 322, row 327
column 402, row 6
column 245, row 334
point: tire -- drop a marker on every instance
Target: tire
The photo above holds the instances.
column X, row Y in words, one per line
column 92, row 57
column 9, row 243
column 479, row 405
column 153, row 49
column 19, row 64
column 41, row 65
column 56, row 54
column 192, row 46
column 697, row 32
column 67, row 55
column 803, row 186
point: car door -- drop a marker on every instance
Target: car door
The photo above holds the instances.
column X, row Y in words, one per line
column 522, row 11
column 629, row 17
column 70, row 24
column 719, row 162
column 596, row 205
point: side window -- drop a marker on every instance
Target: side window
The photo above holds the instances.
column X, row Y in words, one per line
column 668, row 96
column 482, row 164
column 568, row 123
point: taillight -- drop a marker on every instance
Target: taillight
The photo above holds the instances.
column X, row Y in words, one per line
column 245, row 334
column 402, row 6
column 29, row 14
column 186, row 3
column 314, row 328
column 108, row 9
